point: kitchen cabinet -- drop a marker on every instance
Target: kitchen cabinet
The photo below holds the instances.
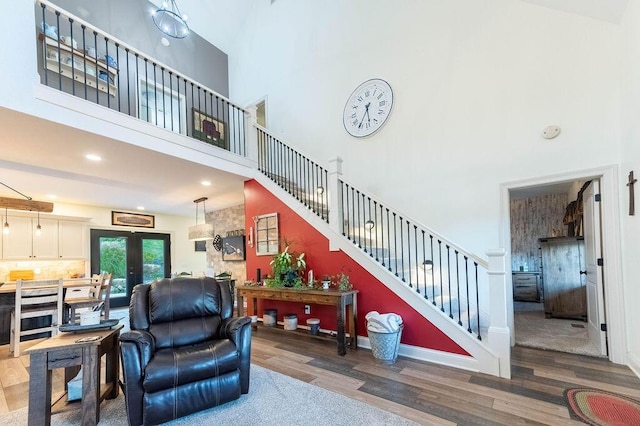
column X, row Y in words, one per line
column 563, row 279
column 22, row 242
column 71, row 240
column 526, row 287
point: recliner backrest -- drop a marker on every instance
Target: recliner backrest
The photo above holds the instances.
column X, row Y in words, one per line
column 183, row 311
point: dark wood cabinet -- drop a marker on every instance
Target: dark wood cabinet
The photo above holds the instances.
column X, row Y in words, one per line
column 564, row 285
column 526, row 287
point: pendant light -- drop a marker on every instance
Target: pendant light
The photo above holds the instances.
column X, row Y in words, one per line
column 204, row 231
column 6, row 222
column 170, row 21
column 38, row 228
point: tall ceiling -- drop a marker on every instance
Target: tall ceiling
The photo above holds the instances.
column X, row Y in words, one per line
column 40, row 158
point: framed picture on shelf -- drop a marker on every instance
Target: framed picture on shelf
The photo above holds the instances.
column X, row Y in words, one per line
column 200, row 245
column 233, row 248
column 133, row 219
column 208, row 129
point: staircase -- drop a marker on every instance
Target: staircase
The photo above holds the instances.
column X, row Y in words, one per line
column 446, row 284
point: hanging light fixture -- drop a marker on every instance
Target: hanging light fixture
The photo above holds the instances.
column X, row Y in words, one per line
column 170, row 21
column 38, row 228
column 6, row 222
column 204, row 231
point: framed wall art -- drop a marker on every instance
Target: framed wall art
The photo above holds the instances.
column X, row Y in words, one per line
column 133, row 219
column 233, row 248
column 209, row 129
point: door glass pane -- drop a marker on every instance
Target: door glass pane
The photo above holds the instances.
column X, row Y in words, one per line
column 113, row 260
column 152, row 260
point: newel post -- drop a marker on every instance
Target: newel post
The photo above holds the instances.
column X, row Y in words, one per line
column 251, row 134
column 333, row 196
column 499, row 334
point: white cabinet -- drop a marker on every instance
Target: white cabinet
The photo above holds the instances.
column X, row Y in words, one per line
column 71, row 240
column 22, row 242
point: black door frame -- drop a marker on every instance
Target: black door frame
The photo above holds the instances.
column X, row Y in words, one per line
column 134, row 256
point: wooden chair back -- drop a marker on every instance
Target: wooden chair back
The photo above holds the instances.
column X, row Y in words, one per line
column 35, row 299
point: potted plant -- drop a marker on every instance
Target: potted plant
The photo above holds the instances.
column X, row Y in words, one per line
column 287, row 269
column 344, row 284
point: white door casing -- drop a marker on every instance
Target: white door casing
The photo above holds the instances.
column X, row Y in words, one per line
column 593, row 252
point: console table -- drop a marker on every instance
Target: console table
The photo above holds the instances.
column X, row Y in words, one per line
column 64, row 351
column 346, row 303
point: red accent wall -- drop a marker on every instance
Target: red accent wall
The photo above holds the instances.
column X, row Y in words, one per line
column 372, row 296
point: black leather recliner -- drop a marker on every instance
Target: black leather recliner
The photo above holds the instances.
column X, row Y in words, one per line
column 185, row 352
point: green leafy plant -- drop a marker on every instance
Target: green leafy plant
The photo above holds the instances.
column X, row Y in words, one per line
column 287, row 269
column 343, row 282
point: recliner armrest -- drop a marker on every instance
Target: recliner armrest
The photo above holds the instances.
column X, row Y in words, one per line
column 232, row 328
column 143, row 341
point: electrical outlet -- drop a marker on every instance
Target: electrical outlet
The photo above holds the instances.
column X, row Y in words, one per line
column 307, row 309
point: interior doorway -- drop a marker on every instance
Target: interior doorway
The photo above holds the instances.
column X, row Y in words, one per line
column 132, row 257
column 549, row 267
column 261, row 113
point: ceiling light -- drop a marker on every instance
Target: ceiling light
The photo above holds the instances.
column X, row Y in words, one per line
column 38, row 228
column 204, row 231
column 93, row 157
column 206, row 183
column 170, row 21
column 52, row 196
column 140, row 207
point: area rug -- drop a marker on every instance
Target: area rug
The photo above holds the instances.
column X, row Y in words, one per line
column 273, row 399
column 602, row 408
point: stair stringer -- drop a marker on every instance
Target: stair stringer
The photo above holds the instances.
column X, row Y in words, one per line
column 482, row 358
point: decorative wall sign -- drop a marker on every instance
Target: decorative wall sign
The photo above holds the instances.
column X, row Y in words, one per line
column 233, row 248
column 133, row 219
column 208, row 129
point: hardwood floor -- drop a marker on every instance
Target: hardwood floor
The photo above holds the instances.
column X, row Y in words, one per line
column 423, row 392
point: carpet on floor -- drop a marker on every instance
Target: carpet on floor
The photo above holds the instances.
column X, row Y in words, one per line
column 273, row 399
column 601, row 408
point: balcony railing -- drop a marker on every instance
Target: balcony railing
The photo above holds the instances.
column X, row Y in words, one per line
column 79, row 59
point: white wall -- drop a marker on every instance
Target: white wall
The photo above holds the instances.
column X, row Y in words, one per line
column 474, row 82
column 631, row 161
column 183, row 255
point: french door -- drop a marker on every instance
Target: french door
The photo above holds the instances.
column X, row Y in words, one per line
column 132, row 257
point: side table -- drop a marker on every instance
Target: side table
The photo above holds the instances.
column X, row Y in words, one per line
column 63, row 351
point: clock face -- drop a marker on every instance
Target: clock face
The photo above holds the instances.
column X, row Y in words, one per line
column 368, row 108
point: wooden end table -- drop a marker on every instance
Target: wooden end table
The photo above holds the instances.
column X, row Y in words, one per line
column 63, row 351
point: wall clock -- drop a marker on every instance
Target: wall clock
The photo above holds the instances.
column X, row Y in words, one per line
column 368, row 108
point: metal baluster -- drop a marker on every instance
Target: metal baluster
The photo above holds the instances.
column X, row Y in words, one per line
column 118, row 76
column 402, row 248
column 382, row 234
column 415, row 242
column 73, row 60
column 353, row 213
column 389, row 239
column 126, row 52
column 458, row 286
column 95, row 45
column 466, row 269
column 155, row 95
column 44, row 46
column 59, row 54
column 424, row 266
column 433, row 278
column 146, row 82
column 449, row 279
column 164, row 104
column 475, row 264
column 395, row 244
column 440, row 263
column 84, row 43
column 108, row 82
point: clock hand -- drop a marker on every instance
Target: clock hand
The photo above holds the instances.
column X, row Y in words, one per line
column 366, row 112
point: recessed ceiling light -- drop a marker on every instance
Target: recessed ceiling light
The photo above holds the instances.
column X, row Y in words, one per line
column 52, row 196
column 140, row 207
column 93, row 157
column 206, row 183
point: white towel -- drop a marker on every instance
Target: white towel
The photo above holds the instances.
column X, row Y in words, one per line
column 383, row 323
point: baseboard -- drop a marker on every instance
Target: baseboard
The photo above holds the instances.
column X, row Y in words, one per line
column 634, row 363
column 429, row 355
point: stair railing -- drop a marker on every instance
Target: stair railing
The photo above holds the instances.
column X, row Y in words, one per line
column 82, row 60
column 448, row 277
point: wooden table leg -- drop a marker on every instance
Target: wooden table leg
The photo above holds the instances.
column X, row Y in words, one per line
column 112, row 366
column 39, row 390
column 90, row 385
column 341, row 337
column 240, row 303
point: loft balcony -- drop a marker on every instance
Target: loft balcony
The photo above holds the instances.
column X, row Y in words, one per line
column 79, row 59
